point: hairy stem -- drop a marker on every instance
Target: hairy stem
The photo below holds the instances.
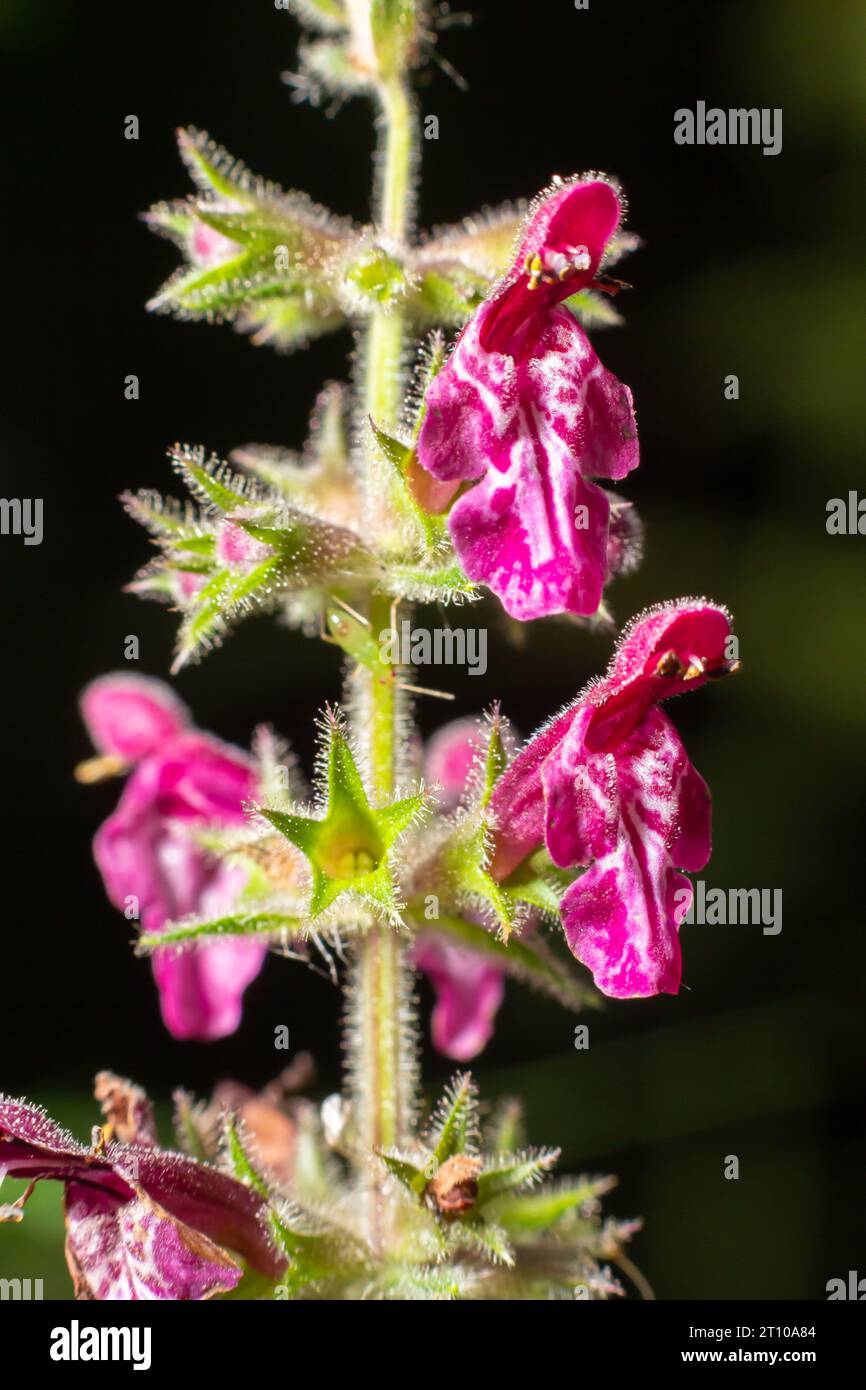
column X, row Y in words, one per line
column 393, row 204
column 380, row 988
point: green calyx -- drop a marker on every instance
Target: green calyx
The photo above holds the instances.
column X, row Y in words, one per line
column 349, row 848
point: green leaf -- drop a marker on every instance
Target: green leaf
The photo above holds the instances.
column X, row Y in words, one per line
column 447, row 298
column 505, row 1131
column 164, row 517
column 289, row 323
column 211, row 167
column 266, row 925
column 307, row 553
column 467, row 879
column 533, row 889
column 279, row 271
column 495, row 759
column 455, row 1125
column 594, row 310
column 315, row 1257
column 189, row 1127
column 409, row 1174
column 447, row 584
column 396, row 452
column 526, row 960
column 240, row 1162
column 430, row 528
column 431, row 360
column 314, row 1178
column 540, row 883
column 509, row 1174
column 532, row 1213
column 212, row 481
column 216, row 605
column 322, row 479
column 489, row 1238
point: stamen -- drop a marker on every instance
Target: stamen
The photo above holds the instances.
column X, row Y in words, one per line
column 669, row 665
column 424, row 690
column 534, row 268
column 99, row 769
column 14, row 1211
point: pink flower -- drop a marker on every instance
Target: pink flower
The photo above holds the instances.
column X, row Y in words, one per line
column 181, row 779
column 237, row 549
column 468, row 994
column 468, row 989
column 525, row 410
column 141, row 1223
column 208, row 247
column 449, row 758
column 608, row 785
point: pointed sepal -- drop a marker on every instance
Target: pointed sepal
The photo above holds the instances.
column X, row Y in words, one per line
column 268, row 260
column 349, row 844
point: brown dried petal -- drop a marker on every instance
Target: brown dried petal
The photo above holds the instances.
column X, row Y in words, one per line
column 455, row 1186
column 127, row 1110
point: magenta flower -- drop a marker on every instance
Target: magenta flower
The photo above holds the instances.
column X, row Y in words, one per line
column 141, row 1223
column 237, row 549
column 449, row 757
column 210, row 248
column 150, row 862
column 525, row 410
column 468, row 994
column 468, row 989
column 608, row 785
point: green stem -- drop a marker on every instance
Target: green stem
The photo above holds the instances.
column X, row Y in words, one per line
column 395, row 193
column 393, row 202
column 380, row 988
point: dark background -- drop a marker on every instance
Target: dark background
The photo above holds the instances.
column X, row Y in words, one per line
column 752, row 265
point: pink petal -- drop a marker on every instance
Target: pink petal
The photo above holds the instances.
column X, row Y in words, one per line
column 201, row 989
column 221, row 1208
column 691, row 633
column 449, row 758
column 626, row 936
column 146, row 851
column 135, row 1251
column 141, row 1223
column 237, row 549
column 469, row 991
column 534, row 529
column 580, row 797
column 131, row 716
column 517, row 808
column 621, row 917
column 208, row 247
column 572, row 225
